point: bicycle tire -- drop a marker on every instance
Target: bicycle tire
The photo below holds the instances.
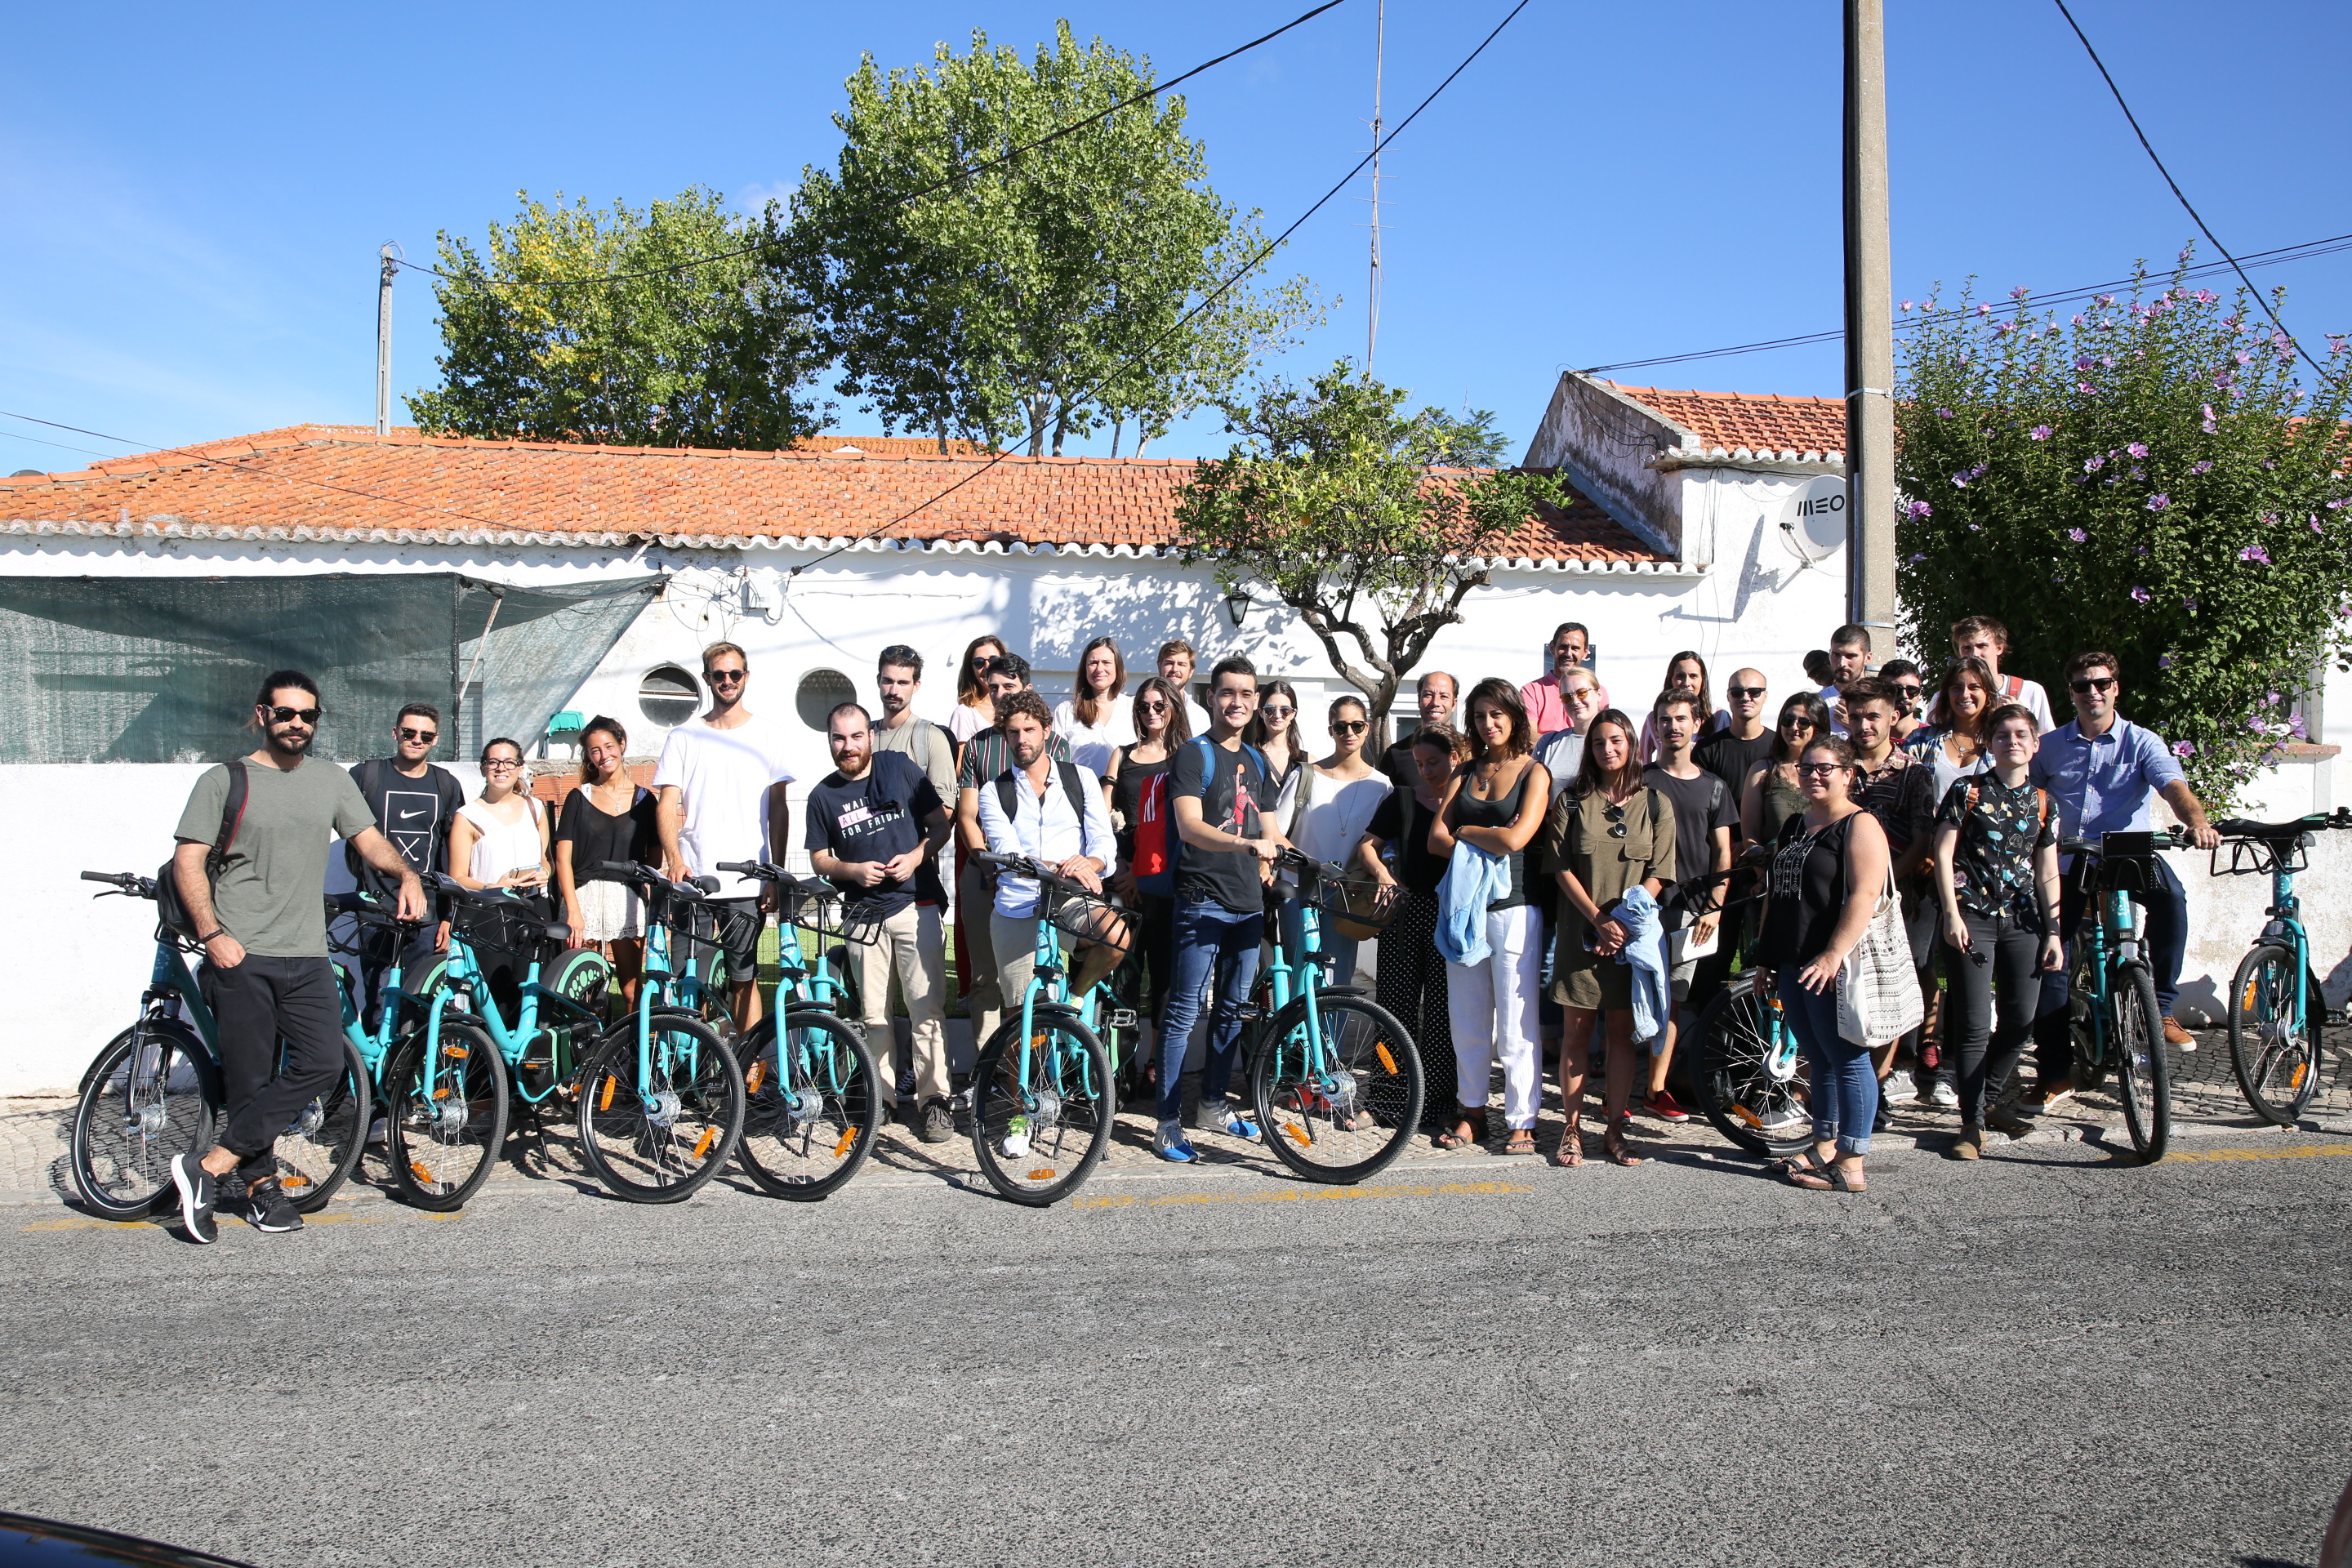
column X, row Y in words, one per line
column 1369, row 1079
column 661, row 1142
column 1743, row 1098
column 443, row 1141
column 1040, row 1127
column 129, row 1121
column 2142, row 1072
column 2277, row 1064
column 811, row 1106
column 317, row 1153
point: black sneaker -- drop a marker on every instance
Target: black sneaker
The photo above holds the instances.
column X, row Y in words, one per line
column 197, row 1192
column 939, row 1123
column 266, row 1208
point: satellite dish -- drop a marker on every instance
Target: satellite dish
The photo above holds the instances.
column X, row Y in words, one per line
column 1812, row 526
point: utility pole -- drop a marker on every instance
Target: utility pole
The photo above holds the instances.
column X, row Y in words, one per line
column 383, row 340
column 1869, row 333
column 1372, row 294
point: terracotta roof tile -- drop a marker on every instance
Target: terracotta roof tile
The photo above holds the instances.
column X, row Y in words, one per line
column 1761, row 422
column 335, row 479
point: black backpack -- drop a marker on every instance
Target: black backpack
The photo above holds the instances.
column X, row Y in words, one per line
column 169, row 906
column 1074, row 784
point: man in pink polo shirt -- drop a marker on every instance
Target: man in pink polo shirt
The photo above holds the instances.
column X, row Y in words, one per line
column 1570, row 646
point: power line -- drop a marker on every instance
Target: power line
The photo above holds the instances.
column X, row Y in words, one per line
column 2302, row 252
column 2202, row 227
column 1243, row 271
column 961, row 174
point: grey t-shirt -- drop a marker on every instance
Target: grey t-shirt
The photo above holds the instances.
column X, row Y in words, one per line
column 931, row 747
column 271, row 895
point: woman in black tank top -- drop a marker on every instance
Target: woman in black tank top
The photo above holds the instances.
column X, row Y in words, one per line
column 1138, row 771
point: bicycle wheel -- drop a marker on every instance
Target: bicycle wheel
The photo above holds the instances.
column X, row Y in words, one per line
column 318, row 1149
column 2276, row 1055
column 444, row 1127
column 657, row 1137
column 811, row 1105
column 1041, row 1119
column 2143, row 1076
column 1337, row 1108
column 151, row 1093
column 1751, row 1089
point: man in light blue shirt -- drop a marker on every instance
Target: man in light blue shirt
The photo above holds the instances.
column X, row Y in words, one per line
column 1073, row 835
column 2104, row 774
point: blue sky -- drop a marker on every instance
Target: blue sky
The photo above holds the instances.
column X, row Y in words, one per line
column 195, row 197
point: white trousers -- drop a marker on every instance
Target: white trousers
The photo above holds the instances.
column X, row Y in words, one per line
column 1493, row 1009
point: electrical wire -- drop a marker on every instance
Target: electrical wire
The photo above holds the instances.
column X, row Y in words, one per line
column 2285, row 253
column 962, row 172
column 1239, row 273
column 2132, row 120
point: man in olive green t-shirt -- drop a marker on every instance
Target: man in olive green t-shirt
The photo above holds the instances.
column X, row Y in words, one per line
column 263, row 926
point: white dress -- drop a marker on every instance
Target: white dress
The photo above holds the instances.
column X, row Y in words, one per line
column 1091, row 745
column 503, row 847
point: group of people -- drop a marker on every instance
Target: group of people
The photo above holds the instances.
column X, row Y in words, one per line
column 1559, row 876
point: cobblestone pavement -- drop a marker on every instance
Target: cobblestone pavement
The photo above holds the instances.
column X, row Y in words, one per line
column 2205, row 1102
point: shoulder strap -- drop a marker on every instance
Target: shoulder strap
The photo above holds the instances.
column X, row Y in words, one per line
column 1075, row 787
column 1008, row 794
column 232, row 817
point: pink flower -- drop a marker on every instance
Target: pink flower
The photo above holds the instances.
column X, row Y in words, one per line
column 2018, row 292
column 1984, row 309
column 1905, row 306
column 2158, row 501
column 2137, row 449
column 2207, row 297
column 2255, row 552
column 2039, row 433
column 2200, row 468
column 1921, row 509
column 2184, row 748
column 1943, row 414
column 2093, row 465
column 2078, row 536
column 2141, row 595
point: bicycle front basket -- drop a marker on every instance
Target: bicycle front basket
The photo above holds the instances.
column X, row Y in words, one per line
column 1358, row 908
column 1089, row 924
column 2128, row 862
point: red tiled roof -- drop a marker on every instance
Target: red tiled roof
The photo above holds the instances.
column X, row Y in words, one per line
column 330, row 481
column 1759, row 421
column 889, row 446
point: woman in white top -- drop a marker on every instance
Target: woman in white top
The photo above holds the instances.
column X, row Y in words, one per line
column 1094, row 721
column 500, row 840
column 973, row 710
column 1955, row 743
column 1342, row 791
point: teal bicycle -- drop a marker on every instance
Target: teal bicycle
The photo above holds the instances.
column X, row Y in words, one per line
column 2110, row 988
column 813, row 1097
column 450, row 1084
column 2276, row 1012
column 154, row 1091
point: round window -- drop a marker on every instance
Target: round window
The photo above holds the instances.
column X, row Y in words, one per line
column 668, row 696
column 823, row 690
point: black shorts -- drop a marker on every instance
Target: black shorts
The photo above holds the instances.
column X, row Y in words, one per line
column 732, row 927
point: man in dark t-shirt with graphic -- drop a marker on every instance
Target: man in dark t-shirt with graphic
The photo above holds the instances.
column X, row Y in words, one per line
column 1220, row 881
column 1707, row 819
column 415, row 802
column 876, row 825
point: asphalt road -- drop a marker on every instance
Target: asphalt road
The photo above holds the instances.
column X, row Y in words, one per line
column 2048, row 1358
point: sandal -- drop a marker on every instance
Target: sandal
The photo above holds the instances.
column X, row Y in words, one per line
column 1811, row 1162
column 1522, row 1141
column 1832, row 1179
column 1455, row 1138
column 1612, row 1143
column 1570, row 1151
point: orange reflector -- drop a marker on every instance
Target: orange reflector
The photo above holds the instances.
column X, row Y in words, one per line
column 702, row 1145
column 848, row 1136
column 440, row 1094
column 424, row 1177
column 1041, row 1176
column 457, row 1051
column 1388, row 1062
column 604, row 1101
column 1748, row 1116
column 2300, row 1069
column 1292, row 1128
column 755, row 1078
column 294, row 1179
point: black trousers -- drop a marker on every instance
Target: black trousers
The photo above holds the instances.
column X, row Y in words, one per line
column 253, row 1005
column 1412, row 985
column 1990, row 1007
column 380, row 952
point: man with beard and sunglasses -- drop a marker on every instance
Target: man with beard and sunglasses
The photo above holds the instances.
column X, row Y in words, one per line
column 256, row 904
column 415, row 802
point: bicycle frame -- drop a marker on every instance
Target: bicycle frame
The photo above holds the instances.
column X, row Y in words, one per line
column 2285, row 924
column 1046, row 980
column 2113, row 917
column 802, row 988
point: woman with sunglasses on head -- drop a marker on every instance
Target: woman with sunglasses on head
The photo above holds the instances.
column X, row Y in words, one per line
column 1955, row 745
column 1136, row 785
column 1829, row 870
column 1686, row 673
column 1343, row 791
column 607, row 817
column 1494, row 805
column 1607, row 834
column 1772, row 796
column 974, row 711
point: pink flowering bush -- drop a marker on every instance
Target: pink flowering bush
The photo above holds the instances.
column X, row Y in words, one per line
column 2149, row 477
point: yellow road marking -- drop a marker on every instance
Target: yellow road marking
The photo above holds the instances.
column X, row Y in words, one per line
column 2298, row 1152
column 1299, row 1194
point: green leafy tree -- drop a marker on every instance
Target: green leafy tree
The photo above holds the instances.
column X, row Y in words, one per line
column 1047, row 296
column 2147, row 478
column 1363, row 519
column 654, row 354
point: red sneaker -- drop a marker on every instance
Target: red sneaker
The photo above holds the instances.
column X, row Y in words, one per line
column 1664, row 1107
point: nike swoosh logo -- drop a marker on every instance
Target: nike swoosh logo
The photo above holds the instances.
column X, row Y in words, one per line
column 410, row 816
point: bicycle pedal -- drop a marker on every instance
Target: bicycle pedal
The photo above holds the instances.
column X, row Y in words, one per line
column 1119, row 1018
column 1250, row 1013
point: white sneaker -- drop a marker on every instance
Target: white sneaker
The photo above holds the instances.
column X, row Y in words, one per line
column 1944, row 1095
column 1896, row 1085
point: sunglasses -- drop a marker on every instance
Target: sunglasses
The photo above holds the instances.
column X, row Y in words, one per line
column 1796, row 721
column 2087, row 684
column 1910, row 692
column 1349, row 726
column 423, row 737
column 1742, row 693
column 1152, row 705
column 1821, row 769
column 725, row 677
column 1275, row 712
column 281, row 715
column 1616, row 815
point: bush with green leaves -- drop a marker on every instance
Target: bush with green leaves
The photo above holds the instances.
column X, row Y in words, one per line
column 2147, row 476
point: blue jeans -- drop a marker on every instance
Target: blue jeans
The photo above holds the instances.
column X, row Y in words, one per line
column 1339, row 950
column 1845, row 1085
column 1212, row 942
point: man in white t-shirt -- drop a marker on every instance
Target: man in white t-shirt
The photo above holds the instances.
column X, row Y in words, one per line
column 721, row 782
column 1175, row 664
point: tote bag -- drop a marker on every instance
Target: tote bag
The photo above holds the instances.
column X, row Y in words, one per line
column 1877, row 989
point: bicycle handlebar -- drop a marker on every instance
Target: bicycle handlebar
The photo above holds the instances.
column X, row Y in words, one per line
column 2244, row 827
column 693, row 890
column 2164, row 838
column 1044, row 875
column 769, row 871
column 128, row 883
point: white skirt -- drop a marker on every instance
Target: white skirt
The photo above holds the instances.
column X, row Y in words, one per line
column 610, row 912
